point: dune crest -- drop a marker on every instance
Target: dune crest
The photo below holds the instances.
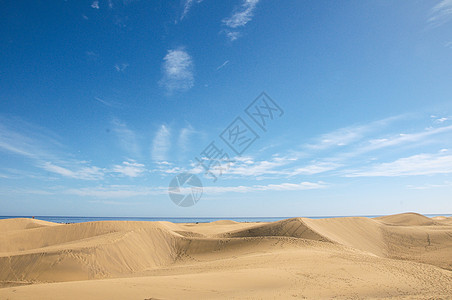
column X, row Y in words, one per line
column 407, row 219
column 23, row 223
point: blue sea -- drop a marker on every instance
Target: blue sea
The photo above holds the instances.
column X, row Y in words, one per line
column 66, row 219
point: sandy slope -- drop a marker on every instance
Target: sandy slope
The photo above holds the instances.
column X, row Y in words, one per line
column 403, row 256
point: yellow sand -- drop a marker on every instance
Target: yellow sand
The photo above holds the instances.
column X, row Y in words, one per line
column 400, row 256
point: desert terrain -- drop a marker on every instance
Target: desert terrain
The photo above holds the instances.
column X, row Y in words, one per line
column 405, row 256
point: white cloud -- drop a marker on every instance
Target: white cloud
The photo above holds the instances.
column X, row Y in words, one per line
column 91, row 55
column 440, row 120
column 246, row 166
column 187, row 6
column 85, row 173
column 184, row 137
column 316, row 168
column 121, row 67
column 107, row 103
column 25, row 191
column 356, row 138
column 167, row 168
column 286, row 167
column 161, row 143
column 337, row 138
column 421, row 164
column 116, row 191
column 270, row 187
column 239, row 18
column 441, row 13
column 347, row 135
column 95, row 4
column 404, row 138
column 37, row 144
column 16, row 143
column 276, row 167
column 25, row 139
column 358, row 142
column 172, row 170
column 233, row 35
column 222, row 65
column 13, row 173
column 242, row 15
column 127, row 138
column 429, row 135
column 130, row 169
column 127, row 191
column 429, row 186
column 177, row 71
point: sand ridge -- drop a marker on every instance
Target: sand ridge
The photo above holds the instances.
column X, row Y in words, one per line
column 405, row 255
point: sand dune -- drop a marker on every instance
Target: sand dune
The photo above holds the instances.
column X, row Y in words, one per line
column 22, row 223
column 407, row 219
column 406, row 255
column 443, row 220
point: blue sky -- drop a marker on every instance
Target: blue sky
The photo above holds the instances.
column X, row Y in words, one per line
column 103, row 102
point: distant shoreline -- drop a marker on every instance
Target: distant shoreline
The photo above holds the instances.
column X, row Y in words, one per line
column 80, row 219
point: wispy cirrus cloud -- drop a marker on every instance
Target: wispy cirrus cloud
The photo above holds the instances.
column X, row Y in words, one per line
column 241, row 15
column 187, row 6
column 316, row 168
column 422, row 137
column 177, row 68
column 105, row 102
column 185, row 136
column 129, row 169
column 239, row 18
column 282, row 167
column 83, row 172
column 43, row 150
column 167, row 168
column 129, row 191
column 161, row 144
column 270, row 187
column 352, row 144
column 441, row 13
column 429, row 186
column 223, row 65
column 347, row 147
column 25, row 139
column 420, row 164
column 275, row 167
column 126, row 137
column 351, row 134
column 439, row 120
column 121, row 67
column 95, row 4
column 91, row 55
column 116, row 191
column 247, row 166
column 232, row 35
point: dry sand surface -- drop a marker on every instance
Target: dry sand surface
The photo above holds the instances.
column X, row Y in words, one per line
column 399, row 256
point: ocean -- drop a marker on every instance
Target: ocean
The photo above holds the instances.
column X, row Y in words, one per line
column 66, row 219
